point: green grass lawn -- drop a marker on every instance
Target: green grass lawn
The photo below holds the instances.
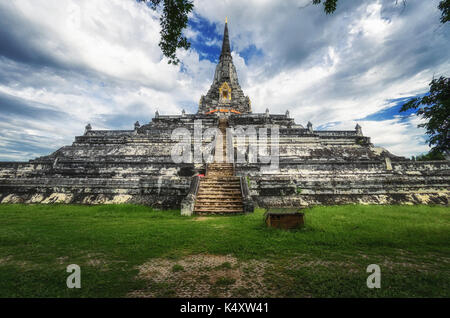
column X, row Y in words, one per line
column 128, row 251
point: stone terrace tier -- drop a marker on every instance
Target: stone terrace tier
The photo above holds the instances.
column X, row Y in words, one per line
column 135, row 166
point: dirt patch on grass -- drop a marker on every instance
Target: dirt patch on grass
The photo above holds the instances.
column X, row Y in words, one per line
column 63, row 260
column 95, row 262
column 5, row 260
column 203, row 218
column 202, row 275
column 9, row 260
column 99, row 261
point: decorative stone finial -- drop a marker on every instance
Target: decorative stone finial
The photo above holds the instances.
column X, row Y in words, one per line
column 358, row 130
column 183, row 113
column 87, row 128
column 310, row 126
column 156, row 114
column 287, row 113
column 137, row 125
column 267, row 112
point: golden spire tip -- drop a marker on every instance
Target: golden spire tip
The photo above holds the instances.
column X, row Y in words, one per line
column 226, row 19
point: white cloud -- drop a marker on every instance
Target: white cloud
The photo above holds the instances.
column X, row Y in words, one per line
column 99, row 62
column 399, row 136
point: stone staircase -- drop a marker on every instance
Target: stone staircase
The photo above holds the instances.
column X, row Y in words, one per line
column 219, row 191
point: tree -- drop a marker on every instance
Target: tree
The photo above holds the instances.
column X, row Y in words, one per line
column 173, row 20
column 444, row 6
column 329, row 6
column 432, row 155
column 435, row 108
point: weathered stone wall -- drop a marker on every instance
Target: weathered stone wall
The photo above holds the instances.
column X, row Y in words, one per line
column 135, row 166
column 160, row 185
column 362, row 182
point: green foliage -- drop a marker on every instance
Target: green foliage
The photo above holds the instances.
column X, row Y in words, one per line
column 177, row 268
column 225, row 281
column 329, row 6
column 224, row 265
column 361, row 141
column 248, row 181
column 174, row 19
column 299, row 190
column 444, row 6
column 432, row 155
column 435, row 108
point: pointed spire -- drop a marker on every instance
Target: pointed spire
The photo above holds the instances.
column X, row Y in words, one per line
column 225, row 76
column 226, row 41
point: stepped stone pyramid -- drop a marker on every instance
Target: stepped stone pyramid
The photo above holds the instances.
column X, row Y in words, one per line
column 136, row 166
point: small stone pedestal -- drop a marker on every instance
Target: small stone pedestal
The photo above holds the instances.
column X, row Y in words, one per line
column 286, row 219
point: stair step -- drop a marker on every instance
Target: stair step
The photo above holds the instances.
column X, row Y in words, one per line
column 212, row 201
column 220, row 184
column 218, row 207
column 220, row 179
column 220, row 192
column 218, row 210
column 219, row 189
column 235, row 200
column 230, row 172
column 218, row 203
column 220, row 197
column 223, row 183
column 219, row 213
column 220, row 165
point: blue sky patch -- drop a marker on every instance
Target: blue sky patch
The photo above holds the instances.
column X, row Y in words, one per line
column 207, row 42
column 393, row 111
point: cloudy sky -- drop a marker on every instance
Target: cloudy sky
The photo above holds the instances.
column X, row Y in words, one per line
column 66, row 63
